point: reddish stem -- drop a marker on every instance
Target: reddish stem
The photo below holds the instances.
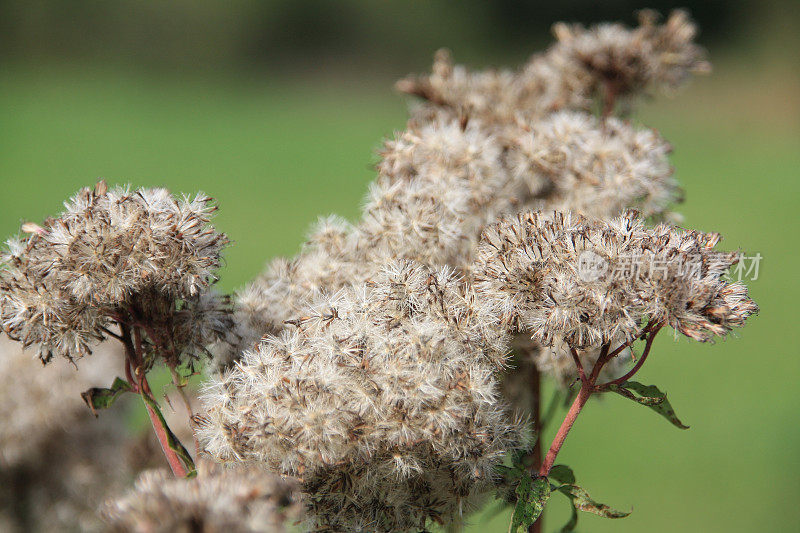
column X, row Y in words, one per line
column 578, row 364
column 638, row 365
column 583, row 396
column 536, row 453
column 602, row 359
column 175, row 462
column 134, row 359
column 588, row 387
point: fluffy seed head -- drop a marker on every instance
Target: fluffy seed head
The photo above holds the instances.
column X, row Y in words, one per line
column 590, row 282
column 111, row 253
column 582, row 68
column 233, row 501
column 572, row 161
column 382, row 398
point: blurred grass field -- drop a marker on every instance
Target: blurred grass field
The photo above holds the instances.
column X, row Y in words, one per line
column 278, row 155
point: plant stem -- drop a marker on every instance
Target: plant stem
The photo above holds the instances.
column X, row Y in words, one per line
column 134, row 359
column 583, row 396
column 589, row 386
column 638, row 365
column 578, row 365
column 536, row 408
column 175, row 462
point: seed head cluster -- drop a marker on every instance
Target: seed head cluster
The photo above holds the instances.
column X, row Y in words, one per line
column 375, row 368
column 439, row 184
column 575, row 162
column 372, row 365
column 383, row 399
column 531, row 266
column 582, row 67
column 491, row 144
column 222, row 501
column 112, row 256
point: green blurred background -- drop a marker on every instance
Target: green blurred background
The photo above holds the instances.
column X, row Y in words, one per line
column 276, row 108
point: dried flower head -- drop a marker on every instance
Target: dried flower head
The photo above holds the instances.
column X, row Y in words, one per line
column 440, row 183
column 233, row 501
column 573, row 161
column 113, row 255
column 610, row 60
column 589, row 282
column 607, row 62
column 382, row 398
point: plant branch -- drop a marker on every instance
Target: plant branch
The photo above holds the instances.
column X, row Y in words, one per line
column 112, row 334
column 589, row 387
column 651, row 336
column 578, row 364
column 131, row 339
column 161, row 429
column 602, row 359
column 583, row 396
column 647, row 329
column 130, row 356
column 536, row 453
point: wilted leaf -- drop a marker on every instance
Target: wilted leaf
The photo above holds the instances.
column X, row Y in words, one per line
column 650, row 396
column 100, row 398
column 583, row 502
column 563, row 474
column 532, row 495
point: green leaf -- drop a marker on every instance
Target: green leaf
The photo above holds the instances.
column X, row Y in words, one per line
column 583, row 502
column 563, row 474
column 100, row 398
column 532, row 495
column 650, row 396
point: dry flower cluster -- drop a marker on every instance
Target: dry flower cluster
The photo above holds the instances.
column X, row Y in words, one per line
column 382, row 399
column 114, row 256
column 531, row 266
column 375, row 379
column 217, row 502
